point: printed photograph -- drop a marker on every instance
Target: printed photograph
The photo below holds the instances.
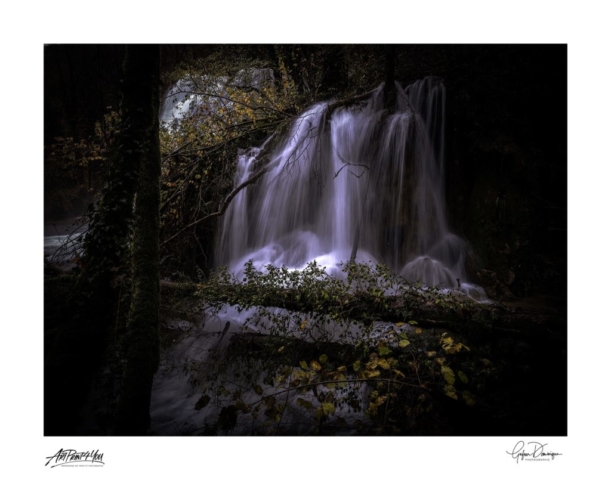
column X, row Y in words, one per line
column 305, row 240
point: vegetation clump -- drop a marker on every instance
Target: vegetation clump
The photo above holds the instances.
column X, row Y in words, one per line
column 362, row 354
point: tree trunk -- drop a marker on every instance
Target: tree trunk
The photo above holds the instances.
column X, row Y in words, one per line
column 390, row 92
column 142, row 338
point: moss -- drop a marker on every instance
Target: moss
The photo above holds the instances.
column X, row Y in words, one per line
column 142, row 339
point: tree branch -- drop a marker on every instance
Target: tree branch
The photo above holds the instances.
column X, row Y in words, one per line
column 359, row 380
column 352, row 165
column 223, row 207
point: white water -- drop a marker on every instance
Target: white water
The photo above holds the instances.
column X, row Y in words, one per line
column 361, row 177
column 61, row 240
column 201, row 364
column 360, row 174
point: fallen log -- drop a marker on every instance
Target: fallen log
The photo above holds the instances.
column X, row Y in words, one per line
column 461, row 315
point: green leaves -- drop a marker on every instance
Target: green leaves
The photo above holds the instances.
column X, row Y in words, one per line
column 401, row 361
column 328, row 408
column 448, row 374
column 384, row 350
column 305, row 404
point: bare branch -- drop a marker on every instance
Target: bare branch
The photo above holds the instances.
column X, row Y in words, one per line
column 352, row 165
column 359, row 380
column 223, row 207
column 349, row 101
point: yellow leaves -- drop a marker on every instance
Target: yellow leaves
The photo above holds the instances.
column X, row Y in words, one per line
column 463, row 377
column 356, row 366
column 314, row 365
column 373, row 362
column 323, row 358
column 303, row 365
column 450, row 391
column 376, row 398
column 399, row 373
column 404, row 343
column 448, row 344
column 418, row 331
column 303, row 324
column 383, row 363
column 376, row 401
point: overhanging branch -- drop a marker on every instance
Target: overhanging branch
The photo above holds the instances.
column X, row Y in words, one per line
column 223, row 206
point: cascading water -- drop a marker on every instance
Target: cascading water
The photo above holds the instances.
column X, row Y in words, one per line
column 358, row 183
column 363, row 183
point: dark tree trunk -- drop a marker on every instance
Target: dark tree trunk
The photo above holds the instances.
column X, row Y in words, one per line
column 107, row 240
column 390, row 94
column 142, row 338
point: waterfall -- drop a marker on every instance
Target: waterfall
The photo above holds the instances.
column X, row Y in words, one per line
column 346, row 182
column 360, row 179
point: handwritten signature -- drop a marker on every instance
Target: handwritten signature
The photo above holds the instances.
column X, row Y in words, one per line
column 64, row 457
column 535, row 452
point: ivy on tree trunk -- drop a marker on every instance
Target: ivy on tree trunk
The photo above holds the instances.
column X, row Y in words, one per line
column 141, row 110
